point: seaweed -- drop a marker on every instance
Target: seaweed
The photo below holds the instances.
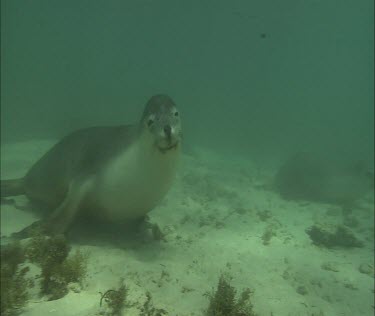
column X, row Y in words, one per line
column 47, row 250
column 56, row 277
column 223, row 301
column 268, row 234
column 148, row 308
column 14, row 283
column 115, row 299
column 58, row 268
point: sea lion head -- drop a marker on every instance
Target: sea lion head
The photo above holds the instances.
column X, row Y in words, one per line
column 161, row 120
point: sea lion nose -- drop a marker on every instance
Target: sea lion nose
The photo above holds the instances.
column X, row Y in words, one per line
column 168, row 130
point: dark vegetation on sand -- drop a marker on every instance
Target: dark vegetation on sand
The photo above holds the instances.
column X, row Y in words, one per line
column 223, row 301
column 58, row 269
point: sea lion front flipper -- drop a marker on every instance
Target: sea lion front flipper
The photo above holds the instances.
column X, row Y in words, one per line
column 36, row 228
column 61, row 218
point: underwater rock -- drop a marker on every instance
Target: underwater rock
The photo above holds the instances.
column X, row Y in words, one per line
column 332, row 236
column 350, row 221
column 330, row 266
column 366, row 268
column 309, row 177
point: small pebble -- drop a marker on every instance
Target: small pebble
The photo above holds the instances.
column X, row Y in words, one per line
column 330, row 266
column 301, row 290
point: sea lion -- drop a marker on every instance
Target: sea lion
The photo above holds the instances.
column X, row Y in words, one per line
column 113, row 173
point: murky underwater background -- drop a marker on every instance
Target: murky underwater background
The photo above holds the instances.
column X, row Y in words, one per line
column 256, row 77
column 256, row 82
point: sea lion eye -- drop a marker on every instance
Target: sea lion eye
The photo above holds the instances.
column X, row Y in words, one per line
column 150, row 122
column 175, row 113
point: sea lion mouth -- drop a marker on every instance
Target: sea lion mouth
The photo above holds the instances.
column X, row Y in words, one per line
column 168, row 148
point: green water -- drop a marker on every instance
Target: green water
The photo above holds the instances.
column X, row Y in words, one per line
column 255, row 83
column 257, row 77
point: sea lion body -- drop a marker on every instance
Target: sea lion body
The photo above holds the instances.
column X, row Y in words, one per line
column 149, row 173
column 114, row 173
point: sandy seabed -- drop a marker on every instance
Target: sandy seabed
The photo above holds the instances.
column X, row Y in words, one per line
column 215, row 220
